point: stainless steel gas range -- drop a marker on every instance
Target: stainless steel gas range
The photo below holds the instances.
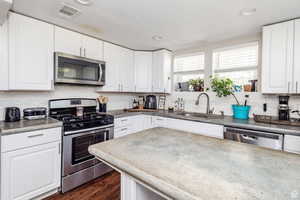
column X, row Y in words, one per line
column 83, row 126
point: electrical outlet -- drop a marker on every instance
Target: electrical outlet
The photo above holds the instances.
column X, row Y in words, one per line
column 265, row 108
column 2, row 113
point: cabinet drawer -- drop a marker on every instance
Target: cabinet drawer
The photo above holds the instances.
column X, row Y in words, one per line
column 205, row 129
column 120, row 132
column 292, row 144
column 159, row 121
column 124, row 121
column 27, row 139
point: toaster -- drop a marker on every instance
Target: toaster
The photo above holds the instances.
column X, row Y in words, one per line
column 35, row 113
column 12, row 114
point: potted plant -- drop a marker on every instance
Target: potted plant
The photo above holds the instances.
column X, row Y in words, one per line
column 197, row 84
column 225, row 87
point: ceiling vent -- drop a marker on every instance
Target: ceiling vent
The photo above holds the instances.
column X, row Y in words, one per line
column 68, row 11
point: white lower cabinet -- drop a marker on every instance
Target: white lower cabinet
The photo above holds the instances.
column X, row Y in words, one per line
column 31, row 171
column 128, row 125
column 120, row 132
column 292, row 144
column 159, row 121
column 143, row 122
column 206, row 129
column 132, row 190
column 200, row 128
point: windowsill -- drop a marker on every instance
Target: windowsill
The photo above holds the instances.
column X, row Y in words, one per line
column 210, row 91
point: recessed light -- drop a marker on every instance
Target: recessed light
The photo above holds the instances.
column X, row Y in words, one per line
column 248, row 12
column 157, row 37
column 84, row 2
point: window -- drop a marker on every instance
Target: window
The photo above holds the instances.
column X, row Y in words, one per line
column 188, row 67
column 238, row 63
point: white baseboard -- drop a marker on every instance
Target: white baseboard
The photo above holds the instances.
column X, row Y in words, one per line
column 43, row 196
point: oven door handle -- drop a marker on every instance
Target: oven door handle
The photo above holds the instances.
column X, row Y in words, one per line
column 85, row 131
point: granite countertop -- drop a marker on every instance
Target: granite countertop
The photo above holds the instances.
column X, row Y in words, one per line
column 8, row 128
column 226, row 121
column 187, row 166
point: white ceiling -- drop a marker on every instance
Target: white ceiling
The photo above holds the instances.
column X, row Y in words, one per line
column 181, row 23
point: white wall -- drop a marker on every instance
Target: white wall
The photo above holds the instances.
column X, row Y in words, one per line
column 208, row 48
column 256, row 100
column 36, row 99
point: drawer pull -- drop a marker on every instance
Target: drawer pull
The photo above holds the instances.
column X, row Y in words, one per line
column 124, row 120
column 124, row 129
column 33, row 136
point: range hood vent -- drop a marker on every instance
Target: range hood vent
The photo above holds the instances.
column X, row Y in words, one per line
column 68, row 11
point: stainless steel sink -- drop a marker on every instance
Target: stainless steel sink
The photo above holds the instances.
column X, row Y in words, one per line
column 201, row 115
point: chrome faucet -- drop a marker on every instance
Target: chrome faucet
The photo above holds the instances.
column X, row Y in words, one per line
column 208, row 110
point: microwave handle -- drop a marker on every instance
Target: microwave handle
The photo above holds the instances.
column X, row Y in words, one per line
column 100, row 72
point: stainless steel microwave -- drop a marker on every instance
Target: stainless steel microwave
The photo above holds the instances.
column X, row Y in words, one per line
column 78, row 70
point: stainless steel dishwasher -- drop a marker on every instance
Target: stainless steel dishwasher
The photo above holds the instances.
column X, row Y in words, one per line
column 259, row 138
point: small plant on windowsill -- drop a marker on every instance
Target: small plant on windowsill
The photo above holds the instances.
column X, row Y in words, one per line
column 223, row 87
column 197, row 84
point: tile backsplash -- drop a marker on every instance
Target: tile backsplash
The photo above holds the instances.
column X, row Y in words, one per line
column 40, row 99
column 121, row 101
column 256, row 100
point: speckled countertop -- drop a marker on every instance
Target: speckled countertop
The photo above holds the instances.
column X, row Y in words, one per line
column 226, row 121
column 8, row 128
column 187, row 166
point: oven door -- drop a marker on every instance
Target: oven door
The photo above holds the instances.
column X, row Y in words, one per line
column 75, row 149
column 78, row 70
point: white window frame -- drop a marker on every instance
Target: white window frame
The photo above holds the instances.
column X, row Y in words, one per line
column 200, row 71
column 236, row 68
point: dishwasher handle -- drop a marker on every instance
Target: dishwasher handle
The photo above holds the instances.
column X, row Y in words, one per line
column 247, row 132
column 249, row 137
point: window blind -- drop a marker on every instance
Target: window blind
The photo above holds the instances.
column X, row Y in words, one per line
column 189, row 63
column 240, row 57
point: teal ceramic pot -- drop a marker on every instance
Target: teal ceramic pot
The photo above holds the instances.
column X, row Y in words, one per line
column 241, row 112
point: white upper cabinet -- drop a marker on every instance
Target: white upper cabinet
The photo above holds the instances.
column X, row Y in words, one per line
column 4, row 56
column 277, row 58
column 74, row 43
column 92, row 48
column 161, row 71
column 143, row 71
column 31, row 45
column 296, row 88
column 67, row 41
column 126, row 70
column 112, row 58
column 119, row 69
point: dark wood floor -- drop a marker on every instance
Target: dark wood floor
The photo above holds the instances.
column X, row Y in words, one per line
column 106, row 187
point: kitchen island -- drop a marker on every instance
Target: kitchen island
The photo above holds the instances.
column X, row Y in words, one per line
column 180, row 165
